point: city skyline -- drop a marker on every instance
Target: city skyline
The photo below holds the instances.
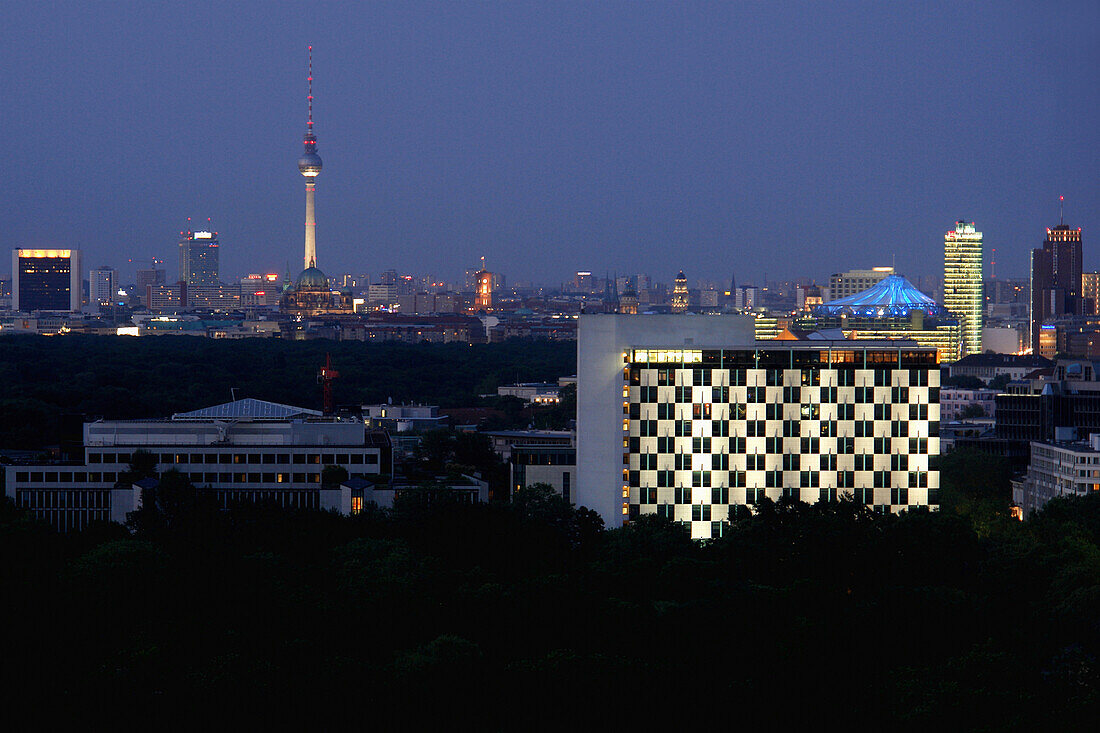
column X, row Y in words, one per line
column 657, row 137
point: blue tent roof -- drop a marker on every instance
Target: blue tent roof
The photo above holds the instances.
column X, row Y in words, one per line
column 891, row 297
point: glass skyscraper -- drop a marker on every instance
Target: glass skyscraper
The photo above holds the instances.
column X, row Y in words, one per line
column 962, row 283
column 199, row 258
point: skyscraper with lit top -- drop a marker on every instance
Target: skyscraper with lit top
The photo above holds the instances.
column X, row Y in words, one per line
column 1055, row 278
column 962, row 283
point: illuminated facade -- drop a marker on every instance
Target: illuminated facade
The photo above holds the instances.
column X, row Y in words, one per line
column 46, row 280
column 680, row 294
column 1090, row 291
column 687, row 422
column 484, row 298
column 962, row 283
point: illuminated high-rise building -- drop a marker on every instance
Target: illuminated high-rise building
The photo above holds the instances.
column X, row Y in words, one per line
column 102, row 285
column 199, row 258
column 962, row 283
column 680, row 293
column 1055, row 278
column 46, row 280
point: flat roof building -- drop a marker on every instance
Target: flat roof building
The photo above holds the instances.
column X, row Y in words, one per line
column 243, row 451
column 46, row 280
column 1059, row 468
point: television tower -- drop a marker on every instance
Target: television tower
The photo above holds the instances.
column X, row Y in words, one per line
column 309, row 165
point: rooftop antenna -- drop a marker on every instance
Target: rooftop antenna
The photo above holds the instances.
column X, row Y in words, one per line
column 1061, row 210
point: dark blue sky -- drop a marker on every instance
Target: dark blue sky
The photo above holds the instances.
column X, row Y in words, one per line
column 739, row 137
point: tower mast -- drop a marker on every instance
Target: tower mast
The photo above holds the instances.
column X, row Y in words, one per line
column 309, row 165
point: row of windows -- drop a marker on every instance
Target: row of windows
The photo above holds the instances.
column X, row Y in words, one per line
column 790, row 428
column 71, row 520
column 71, row 499
column 268, row 458
column 791, row 461
column 774, row 445
column 739, row 377
column 196, row 478
column 65, row 477
column 284, row 498
column 701, row 511
column 774, row 479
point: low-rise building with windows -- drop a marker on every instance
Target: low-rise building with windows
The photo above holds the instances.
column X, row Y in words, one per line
column 1058, row 468
column 243, row 451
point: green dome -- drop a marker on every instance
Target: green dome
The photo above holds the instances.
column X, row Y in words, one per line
column 312, row 279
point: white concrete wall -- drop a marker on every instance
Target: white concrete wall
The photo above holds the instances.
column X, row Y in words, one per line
column 601, row 341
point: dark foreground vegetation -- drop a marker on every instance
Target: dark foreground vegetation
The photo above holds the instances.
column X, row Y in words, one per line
column 123, row 377
column 526, row 615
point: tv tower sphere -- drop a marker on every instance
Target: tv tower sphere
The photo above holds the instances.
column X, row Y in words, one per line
column 309, row 165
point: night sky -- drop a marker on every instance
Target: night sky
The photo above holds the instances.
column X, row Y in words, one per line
column 795, row 138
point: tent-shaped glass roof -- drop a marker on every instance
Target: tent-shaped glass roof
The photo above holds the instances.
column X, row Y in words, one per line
column 891, row 297
column 247, row 409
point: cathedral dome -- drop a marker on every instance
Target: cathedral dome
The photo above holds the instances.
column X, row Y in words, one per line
column 312, row 279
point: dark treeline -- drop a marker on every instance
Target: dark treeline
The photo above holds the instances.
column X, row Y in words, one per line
column 526, row 615
column 42, row 378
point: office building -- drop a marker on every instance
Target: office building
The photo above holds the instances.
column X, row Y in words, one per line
column 843, row 284
column 199, row 258
column 261, row 290
column 962, row 283
column 687, row 418
column 243, row 451
column 46, row 280
column 1059, row 468
column 151, row 276
column 1056, row 287
column 1090, row 292
column 102, row 286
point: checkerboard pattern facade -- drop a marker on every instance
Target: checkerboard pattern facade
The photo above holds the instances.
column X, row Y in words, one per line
column 704, row 430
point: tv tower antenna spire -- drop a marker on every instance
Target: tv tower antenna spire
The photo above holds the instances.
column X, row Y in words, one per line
column 309, row 165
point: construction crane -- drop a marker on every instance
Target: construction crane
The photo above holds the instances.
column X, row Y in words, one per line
column 325, row 378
